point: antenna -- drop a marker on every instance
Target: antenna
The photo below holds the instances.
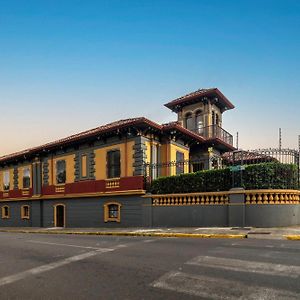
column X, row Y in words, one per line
column 280, row 139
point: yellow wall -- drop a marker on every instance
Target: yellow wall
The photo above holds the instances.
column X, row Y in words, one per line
column 168, row 154
column 148, row 152
column 126, row 152
column 20, row 175
column 175, row 148
column 70, row 168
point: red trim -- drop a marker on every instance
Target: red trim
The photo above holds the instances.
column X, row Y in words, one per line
column 82, row 187
column 16, row 194
column 48, row 190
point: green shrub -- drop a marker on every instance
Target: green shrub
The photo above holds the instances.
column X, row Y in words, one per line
column 271, row 175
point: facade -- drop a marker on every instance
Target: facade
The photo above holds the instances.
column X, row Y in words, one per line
column 96, row 178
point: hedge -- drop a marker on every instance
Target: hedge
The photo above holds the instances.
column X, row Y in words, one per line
column 271, row 175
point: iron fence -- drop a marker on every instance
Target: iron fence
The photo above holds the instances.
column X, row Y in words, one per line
column 236, row 161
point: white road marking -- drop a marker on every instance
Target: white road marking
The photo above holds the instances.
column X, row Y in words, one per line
column 264, row 253
column 50, row 266
column 210, row 228
column 65, row 245
column 217, row 288
column 246, row 266
column 149, row 241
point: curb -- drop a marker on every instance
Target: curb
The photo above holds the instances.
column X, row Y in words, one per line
column 293, row 237
column 145, row 234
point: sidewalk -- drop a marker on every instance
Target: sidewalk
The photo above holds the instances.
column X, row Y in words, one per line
column 292, row 233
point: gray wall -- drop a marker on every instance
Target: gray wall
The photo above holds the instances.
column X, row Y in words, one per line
column 272, row 215
column 188, row 216
column 15, row 215
column 88, row 212
column 137, row 211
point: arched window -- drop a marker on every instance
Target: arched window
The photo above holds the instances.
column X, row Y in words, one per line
column 25, row 212
column 189, row 121
column 112, row 212
column 217, row 120
column 199, row 122
column 213, row 118
column 5, row 212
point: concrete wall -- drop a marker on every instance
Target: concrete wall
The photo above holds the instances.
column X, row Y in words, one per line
column 15, row 219
column 138, row 212
column 189, row 216
column 272, row 215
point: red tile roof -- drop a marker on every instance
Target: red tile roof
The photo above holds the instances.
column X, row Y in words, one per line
column 189, row 98
column 82, row 135
column 176, row 126
column 118, row 125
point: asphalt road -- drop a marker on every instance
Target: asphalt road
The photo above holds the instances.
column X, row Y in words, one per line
column 35, row 266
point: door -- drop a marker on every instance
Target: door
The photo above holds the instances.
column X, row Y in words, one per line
column 59, row 215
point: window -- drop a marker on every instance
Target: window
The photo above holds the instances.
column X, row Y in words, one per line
column 199, row 122
column 197, row 166
column 25, row 212
column 179, row 163
column 26, row 178
column 189, row 121
column 60, row 171
column 112, row 212
column 6, row 180
column 113, row 164
column 213, row 118
column 83, row 165
column 5, row 212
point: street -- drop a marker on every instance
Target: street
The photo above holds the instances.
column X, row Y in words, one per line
column 40, row 266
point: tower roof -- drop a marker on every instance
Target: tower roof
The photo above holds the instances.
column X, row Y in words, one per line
column 198, row 96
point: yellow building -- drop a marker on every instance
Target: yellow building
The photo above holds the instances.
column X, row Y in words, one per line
column 88, row 178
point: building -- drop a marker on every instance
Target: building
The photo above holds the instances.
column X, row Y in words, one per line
column 96, row 178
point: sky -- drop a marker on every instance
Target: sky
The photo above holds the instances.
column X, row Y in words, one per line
column 68, row 66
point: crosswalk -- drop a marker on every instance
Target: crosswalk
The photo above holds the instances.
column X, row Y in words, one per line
column 216, row 277
column 218, row 289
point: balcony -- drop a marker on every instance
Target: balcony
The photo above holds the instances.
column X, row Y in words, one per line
column 215, row 132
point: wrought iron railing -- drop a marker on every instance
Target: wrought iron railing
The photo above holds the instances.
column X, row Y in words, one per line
column 215, row 132
column 237, row 161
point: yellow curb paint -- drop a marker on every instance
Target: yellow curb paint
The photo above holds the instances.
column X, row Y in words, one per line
column 146, row 234
column 293, row 237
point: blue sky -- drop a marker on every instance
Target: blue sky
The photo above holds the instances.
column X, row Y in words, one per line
column 67, row 66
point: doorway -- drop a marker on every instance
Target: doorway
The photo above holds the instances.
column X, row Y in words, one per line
column 59, row 215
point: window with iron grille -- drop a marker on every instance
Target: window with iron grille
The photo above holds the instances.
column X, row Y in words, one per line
column 26, row 178
column 60, row 171
column 113, row 164
column 6, row 180
column 112, row 212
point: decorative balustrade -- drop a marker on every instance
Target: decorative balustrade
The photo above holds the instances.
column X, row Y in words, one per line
column 217, row 198
column 214, row 132
column 60, row 189
column 253, row 197
column 112, row 183
column 272, row 197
